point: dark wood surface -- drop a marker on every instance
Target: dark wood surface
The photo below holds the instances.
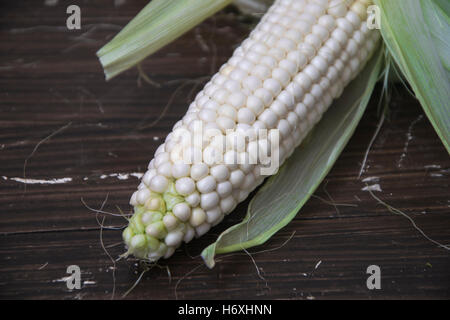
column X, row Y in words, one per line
column 60, row 118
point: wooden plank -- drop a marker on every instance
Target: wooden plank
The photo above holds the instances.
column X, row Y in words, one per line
column 52, row 86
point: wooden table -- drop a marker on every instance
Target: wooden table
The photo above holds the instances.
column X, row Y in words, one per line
column 69, row 137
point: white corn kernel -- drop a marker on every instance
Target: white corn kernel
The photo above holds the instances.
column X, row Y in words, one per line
column 159, row 183
column 209, row 200
column 198, row 216
column 185, row 186
column 206, row 184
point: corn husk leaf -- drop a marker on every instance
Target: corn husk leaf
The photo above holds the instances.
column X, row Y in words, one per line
column 159, row 23
column 417, row 34
column 282, row 196
column 253, row 7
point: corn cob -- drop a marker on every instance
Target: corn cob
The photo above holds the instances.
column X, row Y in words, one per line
column 283, row 77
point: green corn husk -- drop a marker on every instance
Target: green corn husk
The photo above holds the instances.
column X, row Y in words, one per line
column 159, row 23
column 417, row 34
column 283, row 195
column 253, row 7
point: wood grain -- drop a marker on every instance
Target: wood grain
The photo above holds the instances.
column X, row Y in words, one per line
column 50, row 79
